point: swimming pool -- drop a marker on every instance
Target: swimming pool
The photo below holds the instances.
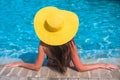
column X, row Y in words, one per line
column 98, row 36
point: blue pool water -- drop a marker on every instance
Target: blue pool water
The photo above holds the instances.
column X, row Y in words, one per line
column 98, row 35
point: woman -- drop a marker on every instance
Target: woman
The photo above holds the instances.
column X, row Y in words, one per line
column 56, row 29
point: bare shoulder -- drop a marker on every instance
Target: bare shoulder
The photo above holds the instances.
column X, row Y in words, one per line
column 42, row 45
column 46, row 49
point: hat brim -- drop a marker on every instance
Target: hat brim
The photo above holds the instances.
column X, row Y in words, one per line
column 60, row 37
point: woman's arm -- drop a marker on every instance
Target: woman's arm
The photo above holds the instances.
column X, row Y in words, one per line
column 86, row 67
column 36, row 66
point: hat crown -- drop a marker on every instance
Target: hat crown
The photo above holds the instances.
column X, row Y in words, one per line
column 54, row 23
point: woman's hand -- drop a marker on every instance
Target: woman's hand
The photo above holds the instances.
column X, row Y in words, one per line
column 108, row 66
column 15, row 64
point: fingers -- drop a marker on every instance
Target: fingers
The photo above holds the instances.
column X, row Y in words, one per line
column 113, row 66
column 110, row 67
column 12, row 65
column 8, row 65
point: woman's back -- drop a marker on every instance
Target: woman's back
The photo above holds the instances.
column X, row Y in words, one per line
column 58, row 56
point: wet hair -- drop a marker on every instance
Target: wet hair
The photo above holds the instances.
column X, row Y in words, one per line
column 61, row 54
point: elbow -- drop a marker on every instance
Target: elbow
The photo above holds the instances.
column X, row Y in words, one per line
column 81, row 69
column 37, row 68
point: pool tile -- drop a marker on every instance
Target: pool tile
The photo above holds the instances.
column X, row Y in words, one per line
column 44, row 71
column 24, row 72
column 73, row 73
column 4, row 71
column 83, row 75
column 104, row 73
column 34, row 74
column 95, row 73
column 115, row 73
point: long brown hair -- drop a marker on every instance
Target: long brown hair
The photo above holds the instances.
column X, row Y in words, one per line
column 61, row 54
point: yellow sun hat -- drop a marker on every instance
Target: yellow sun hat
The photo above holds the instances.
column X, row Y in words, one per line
column 54, row 26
